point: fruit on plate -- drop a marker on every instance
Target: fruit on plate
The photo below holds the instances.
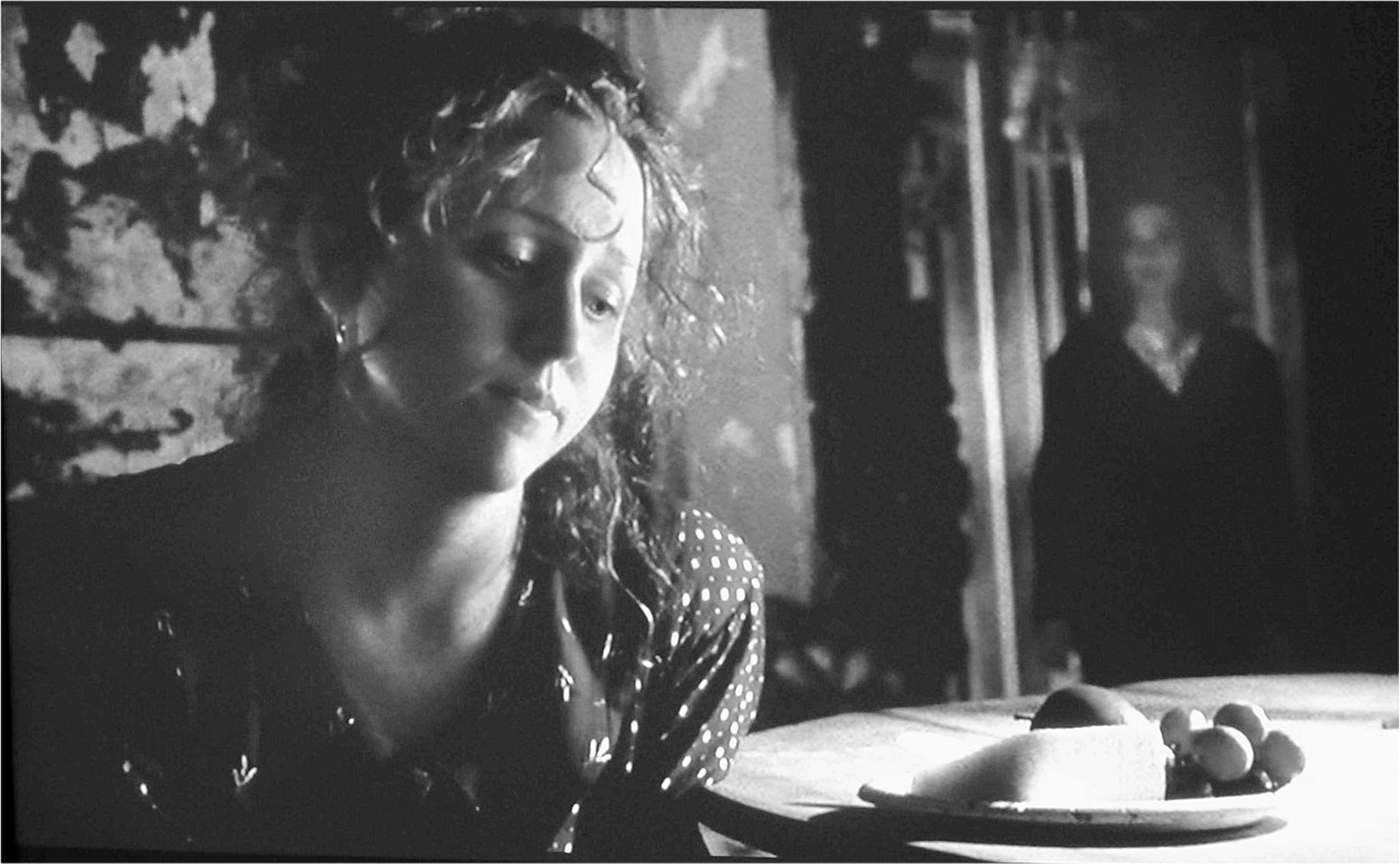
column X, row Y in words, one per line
column 1178, row 725
column 1085, row 705
column 1223, row 752
column 1121, row 762
column 1280, row 756
column 1246, row 717
column 1239, row 753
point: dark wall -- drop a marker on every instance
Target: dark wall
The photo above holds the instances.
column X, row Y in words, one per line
column 1342, row 168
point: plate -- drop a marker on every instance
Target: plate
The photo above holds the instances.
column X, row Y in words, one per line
column 1173, row 816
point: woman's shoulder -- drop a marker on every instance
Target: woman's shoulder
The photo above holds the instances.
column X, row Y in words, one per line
column 708, row 552
column 1086, row 343
column 1237, row 351
column 1092, row 332
column 717, row 577
column 160, row 492
column 198, row 499
column 1238, row 339
column 98, row 558
column 134, row 631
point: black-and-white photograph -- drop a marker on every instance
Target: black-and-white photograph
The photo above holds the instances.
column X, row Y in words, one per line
column 824, row 431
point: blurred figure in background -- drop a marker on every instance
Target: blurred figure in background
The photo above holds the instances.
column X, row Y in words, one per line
column 1161, row 498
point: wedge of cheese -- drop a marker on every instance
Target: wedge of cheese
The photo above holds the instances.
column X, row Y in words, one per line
column 1055, row 766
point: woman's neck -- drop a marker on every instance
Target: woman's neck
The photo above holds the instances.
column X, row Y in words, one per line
column 1157, row 313
column 409, row 546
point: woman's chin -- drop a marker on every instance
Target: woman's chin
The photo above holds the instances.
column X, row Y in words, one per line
column 471, row 467
column 463, row 454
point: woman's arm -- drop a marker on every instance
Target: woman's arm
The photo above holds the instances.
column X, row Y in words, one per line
column 699, row 701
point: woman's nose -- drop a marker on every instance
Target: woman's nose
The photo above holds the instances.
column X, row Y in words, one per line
column 552, row 324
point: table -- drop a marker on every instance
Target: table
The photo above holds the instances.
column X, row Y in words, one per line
column 792, row 790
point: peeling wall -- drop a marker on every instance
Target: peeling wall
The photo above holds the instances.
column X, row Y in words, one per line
column 115, row 220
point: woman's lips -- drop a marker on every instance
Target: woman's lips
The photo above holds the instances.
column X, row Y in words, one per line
column 530, row 398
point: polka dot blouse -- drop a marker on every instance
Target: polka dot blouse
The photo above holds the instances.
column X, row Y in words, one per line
column 694, row 705
column 180, row 702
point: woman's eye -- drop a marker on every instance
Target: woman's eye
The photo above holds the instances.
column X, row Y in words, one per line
column 500, row 255
column 600, row 306
column 509, row 263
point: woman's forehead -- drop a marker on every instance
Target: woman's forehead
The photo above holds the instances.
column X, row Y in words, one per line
column 1150, row 222
column 571, row 144
column 586, row 176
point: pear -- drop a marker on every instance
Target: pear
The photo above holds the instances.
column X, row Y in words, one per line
column 1085, row 705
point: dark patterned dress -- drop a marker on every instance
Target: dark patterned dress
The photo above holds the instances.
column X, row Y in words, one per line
column 169, row 692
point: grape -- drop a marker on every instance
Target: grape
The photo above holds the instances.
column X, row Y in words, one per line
column 1238, row 755
column 1281, row 757
column 1178, row 725
column 1223, row 752
column 1246, row 717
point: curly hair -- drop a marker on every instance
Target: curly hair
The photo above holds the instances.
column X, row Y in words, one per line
column 433, row 140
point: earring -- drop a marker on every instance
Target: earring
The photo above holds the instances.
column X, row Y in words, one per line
column 342, row 335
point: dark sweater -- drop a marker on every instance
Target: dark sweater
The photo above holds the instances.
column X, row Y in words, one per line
column 168, row 694
column 1163, row 522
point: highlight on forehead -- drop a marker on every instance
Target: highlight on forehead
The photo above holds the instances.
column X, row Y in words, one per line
column 513, row 164
column 611, row 147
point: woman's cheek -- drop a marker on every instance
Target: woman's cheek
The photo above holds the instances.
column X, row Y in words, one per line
column 596, row 389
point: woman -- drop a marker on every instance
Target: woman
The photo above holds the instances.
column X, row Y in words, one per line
column 437, row 607
column 1161, row 494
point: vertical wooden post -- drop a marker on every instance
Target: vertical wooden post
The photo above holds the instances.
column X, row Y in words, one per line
column 1003, row 584
column 1025, row 281
column 1079, row 183
column 1025, row 234
column 1052, row 297
column 1079, row 191
column 1258, row 242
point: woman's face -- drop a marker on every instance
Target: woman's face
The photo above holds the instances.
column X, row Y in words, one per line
column 506, row 339
column 1154, row 255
